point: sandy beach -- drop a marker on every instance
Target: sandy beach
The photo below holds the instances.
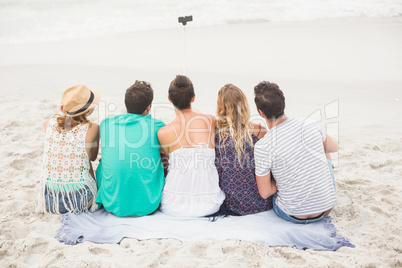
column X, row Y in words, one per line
column 346, row 73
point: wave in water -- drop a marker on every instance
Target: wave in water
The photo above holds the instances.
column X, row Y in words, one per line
column 23, row 21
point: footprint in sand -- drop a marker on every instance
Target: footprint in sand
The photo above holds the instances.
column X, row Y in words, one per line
column 197, row 250
column 380, row 163
column 125, row 244
column 385, row 192
column 12, row 124
column 99, row 251
column 34, row 250
column 22, row 164
column 388, row 196
column 39, row 247
column 358, row 182
column 380, row 212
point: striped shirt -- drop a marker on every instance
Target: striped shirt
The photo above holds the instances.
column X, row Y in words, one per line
column 294, row 154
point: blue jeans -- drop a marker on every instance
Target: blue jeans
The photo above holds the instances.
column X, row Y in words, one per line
column 49, row 197
column 287, row 217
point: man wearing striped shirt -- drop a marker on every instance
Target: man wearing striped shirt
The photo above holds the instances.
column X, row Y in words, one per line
column 293, row 161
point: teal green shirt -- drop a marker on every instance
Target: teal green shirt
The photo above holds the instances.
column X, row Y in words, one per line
column 130, row 174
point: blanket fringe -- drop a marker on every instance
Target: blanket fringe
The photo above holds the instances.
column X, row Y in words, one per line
column 341, row 241
column 64, row 234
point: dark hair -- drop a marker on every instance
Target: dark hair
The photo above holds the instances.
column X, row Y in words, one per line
column 138, row 97
column 181, row 92
column 269, row 99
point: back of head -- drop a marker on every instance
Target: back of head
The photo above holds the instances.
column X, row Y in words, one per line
column 232, row 106
column 233, row 121
column 76, row 102
column 138, row 97
column 269, row 99
column 181, row 92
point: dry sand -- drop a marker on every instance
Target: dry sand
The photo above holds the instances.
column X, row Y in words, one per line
column 349, row 71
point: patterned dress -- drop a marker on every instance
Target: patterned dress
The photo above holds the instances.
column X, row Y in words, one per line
column 238, row 181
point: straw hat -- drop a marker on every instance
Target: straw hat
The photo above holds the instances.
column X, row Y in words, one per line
column 78, row 100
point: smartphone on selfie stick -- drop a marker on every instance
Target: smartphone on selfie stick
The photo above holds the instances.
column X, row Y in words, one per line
column 184, row 21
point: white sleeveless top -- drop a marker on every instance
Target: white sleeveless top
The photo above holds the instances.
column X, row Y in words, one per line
column 66, row 167
column 192, row 184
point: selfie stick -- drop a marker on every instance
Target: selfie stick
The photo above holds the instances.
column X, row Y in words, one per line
column 184, row 21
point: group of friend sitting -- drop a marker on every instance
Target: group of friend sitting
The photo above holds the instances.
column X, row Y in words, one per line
column 223, row 165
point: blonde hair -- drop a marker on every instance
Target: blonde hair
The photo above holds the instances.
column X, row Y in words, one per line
column 233, row 118
column 65, row 122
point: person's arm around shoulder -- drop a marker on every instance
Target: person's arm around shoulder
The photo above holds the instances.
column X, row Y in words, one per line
column 330, row 145
column 259, row 131
column 92, row 141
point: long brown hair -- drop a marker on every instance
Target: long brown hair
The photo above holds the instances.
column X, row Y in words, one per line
column 233, row 118
column 65, row 122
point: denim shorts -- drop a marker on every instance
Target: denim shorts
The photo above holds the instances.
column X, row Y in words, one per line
column 49, row 197
column 286, row 217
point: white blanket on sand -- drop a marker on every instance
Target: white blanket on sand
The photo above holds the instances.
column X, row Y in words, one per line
column 265, row 227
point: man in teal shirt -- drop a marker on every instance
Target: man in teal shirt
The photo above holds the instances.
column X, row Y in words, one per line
column 130, row 174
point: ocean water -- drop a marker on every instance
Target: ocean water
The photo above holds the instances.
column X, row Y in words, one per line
column 24, row 21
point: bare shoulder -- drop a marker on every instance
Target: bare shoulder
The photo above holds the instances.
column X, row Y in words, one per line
column 46, row 123
column 166, row 137
column 211, row 117
column 164, row 132
column 258, row 130
column 93, row 131
column 93, row 127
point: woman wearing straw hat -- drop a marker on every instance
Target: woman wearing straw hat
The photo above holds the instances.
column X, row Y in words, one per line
column 71, row 143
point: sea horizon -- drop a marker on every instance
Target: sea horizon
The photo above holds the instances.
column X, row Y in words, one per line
column 27, row 21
